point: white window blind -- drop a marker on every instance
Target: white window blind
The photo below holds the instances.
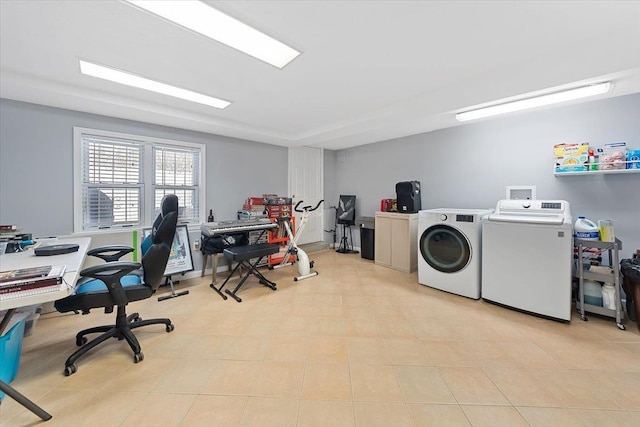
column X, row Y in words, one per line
column 112, row 187
column 177, row 171
column 120, row 179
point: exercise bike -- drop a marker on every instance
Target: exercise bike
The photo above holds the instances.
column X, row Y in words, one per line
column 301, row 257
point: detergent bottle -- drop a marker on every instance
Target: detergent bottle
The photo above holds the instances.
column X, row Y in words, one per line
column 586, row 229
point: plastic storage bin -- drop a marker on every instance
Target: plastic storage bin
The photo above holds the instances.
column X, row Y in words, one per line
column 592, row 293
column 10, row 348
column 31, row 320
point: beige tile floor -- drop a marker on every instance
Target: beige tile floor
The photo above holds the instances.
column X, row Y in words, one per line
column 358, row 345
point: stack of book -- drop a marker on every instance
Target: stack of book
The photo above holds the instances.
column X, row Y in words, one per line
column 8, row 231
column 30, row 281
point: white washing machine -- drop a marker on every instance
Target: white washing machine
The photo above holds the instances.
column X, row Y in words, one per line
column 527, row 249
column 449, row 242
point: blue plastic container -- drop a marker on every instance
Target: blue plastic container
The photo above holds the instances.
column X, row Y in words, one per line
column 10, row 348
column 592, row 293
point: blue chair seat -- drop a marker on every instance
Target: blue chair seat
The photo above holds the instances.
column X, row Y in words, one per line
column 92, row 293
column 95, row 285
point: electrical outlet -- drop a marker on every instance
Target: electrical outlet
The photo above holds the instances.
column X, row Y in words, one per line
column 196, row 245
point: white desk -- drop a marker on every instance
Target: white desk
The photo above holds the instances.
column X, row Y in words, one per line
column 73, row 262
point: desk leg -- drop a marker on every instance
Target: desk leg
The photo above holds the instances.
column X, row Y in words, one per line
column 5, row 320
column 21, row 399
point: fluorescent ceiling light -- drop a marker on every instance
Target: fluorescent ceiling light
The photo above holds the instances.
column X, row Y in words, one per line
column 124, row 78
column 538, row 101
column 203, row 19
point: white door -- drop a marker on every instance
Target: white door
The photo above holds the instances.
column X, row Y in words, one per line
column 306, row 179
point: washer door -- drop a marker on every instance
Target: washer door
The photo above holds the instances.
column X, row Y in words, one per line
column 444, row 248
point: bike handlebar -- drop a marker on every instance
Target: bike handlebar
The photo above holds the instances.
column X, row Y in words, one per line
column 306, row 208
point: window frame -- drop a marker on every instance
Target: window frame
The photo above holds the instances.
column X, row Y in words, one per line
column 148, row 212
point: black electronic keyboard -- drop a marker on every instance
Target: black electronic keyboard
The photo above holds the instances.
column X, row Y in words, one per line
column 212, row 229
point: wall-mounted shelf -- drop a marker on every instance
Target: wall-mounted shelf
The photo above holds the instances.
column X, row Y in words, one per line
column 597, row 172
column 600, row 169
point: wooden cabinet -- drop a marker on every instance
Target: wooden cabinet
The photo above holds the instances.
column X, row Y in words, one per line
column 396, row 240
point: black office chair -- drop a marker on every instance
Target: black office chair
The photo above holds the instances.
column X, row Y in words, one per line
column 118, row 283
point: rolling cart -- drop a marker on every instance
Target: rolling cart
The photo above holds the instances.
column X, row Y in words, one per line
column 613, row 249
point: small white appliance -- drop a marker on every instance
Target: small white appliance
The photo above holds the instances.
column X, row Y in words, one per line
column 527, row 248
column 449, row 242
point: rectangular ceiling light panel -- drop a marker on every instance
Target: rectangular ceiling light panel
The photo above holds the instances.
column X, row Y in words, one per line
column 538, row 101
column 214, row 24
column 128, row 79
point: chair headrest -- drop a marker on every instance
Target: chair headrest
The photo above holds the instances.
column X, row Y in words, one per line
column 164, row 227
column 169, row 204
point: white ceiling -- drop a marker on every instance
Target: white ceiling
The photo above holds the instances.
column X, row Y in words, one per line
column 369, row 70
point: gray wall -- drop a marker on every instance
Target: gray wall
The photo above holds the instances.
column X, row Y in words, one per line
column 36, row 170
column 467, row 166
column 470, row 166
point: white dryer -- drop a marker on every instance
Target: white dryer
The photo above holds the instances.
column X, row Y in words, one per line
column 449, row 242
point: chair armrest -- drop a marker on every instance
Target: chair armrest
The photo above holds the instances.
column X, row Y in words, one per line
column 110, row 274
column 105, row 252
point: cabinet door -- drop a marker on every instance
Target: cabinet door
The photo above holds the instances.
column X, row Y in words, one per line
column 400, row 250
column 383, row 241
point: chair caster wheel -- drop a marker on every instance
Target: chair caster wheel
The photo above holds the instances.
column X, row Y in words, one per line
column 170, row 327
column 138, row 357
column 80, row 342
column 69, row 370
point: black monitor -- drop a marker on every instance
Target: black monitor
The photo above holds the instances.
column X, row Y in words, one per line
column 347, row 210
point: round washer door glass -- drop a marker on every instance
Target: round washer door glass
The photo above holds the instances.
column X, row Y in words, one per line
column 445, row 248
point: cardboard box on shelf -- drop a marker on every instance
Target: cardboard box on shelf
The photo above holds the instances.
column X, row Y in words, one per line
column 633, row 159
column 571, row 157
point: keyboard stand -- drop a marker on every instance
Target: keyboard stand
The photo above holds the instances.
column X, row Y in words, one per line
column 243, row 256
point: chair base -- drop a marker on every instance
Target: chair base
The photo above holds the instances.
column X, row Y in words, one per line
column 121, row 330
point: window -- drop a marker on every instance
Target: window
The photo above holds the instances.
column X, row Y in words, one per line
column 121, row 179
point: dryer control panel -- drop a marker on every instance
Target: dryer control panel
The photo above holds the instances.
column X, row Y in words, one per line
column 465, row 218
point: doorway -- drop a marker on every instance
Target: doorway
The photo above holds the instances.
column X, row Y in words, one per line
column 306, row 183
